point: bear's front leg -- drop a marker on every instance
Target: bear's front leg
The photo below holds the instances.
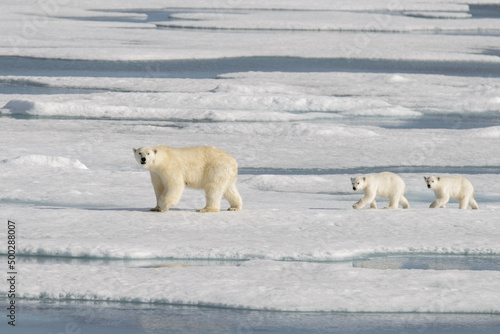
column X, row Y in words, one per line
column 163, row 204
column 369, row 198
column 170, row 196
column 439, row 203
column 158, row 209
column 358, row 205
column 159, row 188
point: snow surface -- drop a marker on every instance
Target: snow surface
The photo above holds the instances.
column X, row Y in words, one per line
column 44, row 161
column 417, row 103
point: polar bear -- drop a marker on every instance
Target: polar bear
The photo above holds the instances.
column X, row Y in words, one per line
column 198, row 167
column 455, row 187
column 385, row 184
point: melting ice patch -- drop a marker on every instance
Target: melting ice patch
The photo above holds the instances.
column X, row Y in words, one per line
column 438, row 15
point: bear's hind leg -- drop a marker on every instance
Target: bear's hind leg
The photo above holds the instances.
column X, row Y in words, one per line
column 473, row 204
column 374, row 204
column 213, row 195
column 233, row 197
column 404, row 202
column 463, row 203
column 466, row 201
column 393, row 203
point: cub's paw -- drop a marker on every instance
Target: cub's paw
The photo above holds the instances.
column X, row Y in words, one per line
column 356, row 206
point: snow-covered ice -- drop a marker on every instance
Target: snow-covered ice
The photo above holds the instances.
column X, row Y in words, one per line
column 413, row 89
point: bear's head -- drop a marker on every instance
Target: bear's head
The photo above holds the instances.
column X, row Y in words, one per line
column 432, row 181
column 145, row 156
column 358, row 183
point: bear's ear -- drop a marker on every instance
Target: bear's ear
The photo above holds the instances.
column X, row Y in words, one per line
column 364, row 178
column 134, row 149
column 155, row 150
column 425, row 178
column 439, row 178
column 353, row 179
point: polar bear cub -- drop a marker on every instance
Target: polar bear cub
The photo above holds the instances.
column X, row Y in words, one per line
column 198, row 167
column 385, row 184
column 455, row 187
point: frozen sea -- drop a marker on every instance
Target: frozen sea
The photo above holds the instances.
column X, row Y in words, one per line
column 305, row 95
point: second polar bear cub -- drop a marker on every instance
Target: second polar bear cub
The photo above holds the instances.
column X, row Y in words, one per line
column 455, row 187
column 198, row 167
column 385, row 184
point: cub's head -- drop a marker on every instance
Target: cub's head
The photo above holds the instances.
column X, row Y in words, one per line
column 432, row 181
column 358, row 183
column 145, row 156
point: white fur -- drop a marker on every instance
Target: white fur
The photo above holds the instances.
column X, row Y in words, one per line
column 455, row 187
column 386, row 184
column 198, row 167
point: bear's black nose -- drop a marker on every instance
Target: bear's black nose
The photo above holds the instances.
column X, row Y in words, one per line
column 428, row 186
column 143, row 160
column 354, row 188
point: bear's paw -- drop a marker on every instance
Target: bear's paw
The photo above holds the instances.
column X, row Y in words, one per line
column 208, row 210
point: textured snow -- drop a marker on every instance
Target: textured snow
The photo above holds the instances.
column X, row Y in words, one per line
column 45, row 161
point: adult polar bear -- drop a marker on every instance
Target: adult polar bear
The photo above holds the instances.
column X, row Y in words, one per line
column 385, row 184
column 198, row 167
column 455, row 187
